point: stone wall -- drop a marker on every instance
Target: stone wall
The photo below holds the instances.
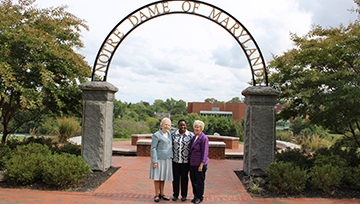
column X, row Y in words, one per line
column 216, row 149
column 136, row 137
column 143, row 148
column 230, row 142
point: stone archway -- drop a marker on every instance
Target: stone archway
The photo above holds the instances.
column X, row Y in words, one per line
column 98, row 94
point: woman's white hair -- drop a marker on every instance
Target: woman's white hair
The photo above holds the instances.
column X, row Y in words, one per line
column 200, row 124
column 165, row 120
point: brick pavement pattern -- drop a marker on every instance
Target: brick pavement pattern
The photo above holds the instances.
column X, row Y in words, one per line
column 130, row 184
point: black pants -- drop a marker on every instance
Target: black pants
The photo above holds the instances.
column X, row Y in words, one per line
column 181, row 177
column 198, row 181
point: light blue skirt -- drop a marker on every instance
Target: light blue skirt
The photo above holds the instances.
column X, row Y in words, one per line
column 163, row 171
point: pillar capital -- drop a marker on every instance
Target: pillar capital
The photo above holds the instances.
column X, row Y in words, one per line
column 260, row 95
column 98, row 86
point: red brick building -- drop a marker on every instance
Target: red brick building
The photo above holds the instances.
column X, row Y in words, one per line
column 237, row 110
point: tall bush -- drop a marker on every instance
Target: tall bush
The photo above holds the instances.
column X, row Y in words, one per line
column 286, row 178
column 286, row 136
column 68, row 127
column 215, row 124
column 326, row 177
column 354, row 180
column 123, row 128
column 350, row 155
column 295, row 156
column 5, row 153
column 328, row 172
column 49, row 126
column 65, row 169
column 25, row 164
column 314, row 142
column 297, row 125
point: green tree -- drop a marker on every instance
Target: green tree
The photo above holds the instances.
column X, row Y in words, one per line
column 171, row 106
column 215, row 124
column 319, row 78
column 123, row 128
column 153, row 124
column 39, row 69
column 176, row 107
column 159, row 106
column 235, row 100
column 212, row 100
column 298, row 125
column 142, row 110
column 120, row 109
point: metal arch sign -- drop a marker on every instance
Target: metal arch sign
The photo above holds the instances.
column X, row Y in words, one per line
column 193, row 7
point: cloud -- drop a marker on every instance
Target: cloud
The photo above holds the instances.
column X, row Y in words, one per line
column 329, row 12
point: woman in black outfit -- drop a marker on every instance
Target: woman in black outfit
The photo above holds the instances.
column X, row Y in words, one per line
column 181, row 149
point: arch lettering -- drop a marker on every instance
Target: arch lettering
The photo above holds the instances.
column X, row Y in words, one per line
column 197, row 8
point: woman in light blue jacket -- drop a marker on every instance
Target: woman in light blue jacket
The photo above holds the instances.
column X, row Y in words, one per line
column 161, row 159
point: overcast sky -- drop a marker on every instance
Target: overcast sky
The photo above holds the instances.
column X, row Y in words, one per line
column 191, row 58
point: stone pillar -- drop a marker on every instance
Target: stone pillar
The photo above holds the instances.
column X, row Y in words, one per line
column 97, row 129
column 260, row 134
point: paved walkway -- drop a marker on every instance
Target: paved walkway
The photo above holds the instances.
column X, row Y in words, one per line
column 130, row 184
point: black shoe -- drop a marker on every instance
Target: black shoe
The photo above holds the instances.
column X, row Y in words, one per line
column 183, row 198
column 175, row 198
column 163, row 197
column 156, row 199
column 197, row 201
column 193, row 200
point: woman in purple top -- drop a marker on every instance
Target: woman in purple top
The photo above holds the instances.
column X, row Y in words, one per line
column 198, row 161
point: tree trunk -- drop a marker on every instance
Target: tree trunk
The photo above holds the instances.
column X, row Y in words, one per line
column 355, row 137
column 5, row 134
column 353, row 133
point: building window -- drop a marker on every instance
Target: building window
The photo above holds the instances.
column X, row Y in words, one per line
column 226, row 114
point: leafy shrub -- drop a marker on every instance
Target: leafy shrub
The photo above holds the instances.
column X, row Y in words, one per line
column 313, row 142
column 295, row 156
column 69, row 148
column 347, row 141
column 49, row 126
column 216, row 124
column 68, row 127
column 5, row 153
column 333, row 159
column 349, row 155
column 349, row 181
column 25, row 164
column 325, row 177
column 39, row 140
column 297, row 125
column 124, row 128
column 286, row 178
column 65, row 169
column 13, row 143
column 327, row 172
column 314, row 130
column 53, row 146
column 286, row 136
column 354, row 180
